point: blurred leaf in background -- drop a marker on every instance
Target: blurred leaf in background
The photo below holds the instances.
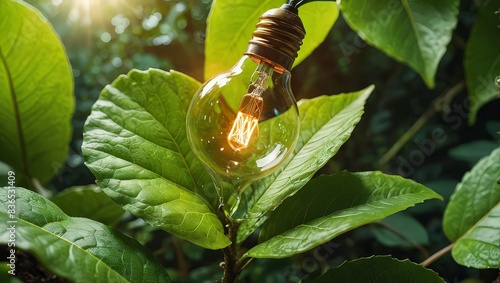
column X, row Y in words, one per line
column 36, row 90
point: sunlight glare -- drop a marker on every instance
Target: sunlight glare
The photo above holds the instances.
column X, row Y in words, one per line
column 83, row 10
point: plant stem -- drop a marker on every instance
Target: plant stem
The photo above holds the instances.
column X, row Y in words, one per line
column 231, row 267
column 437, row 105
column 437, row 255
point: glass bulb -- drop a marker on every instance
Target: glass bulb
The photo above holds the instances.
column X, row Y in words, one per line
column 243, row 124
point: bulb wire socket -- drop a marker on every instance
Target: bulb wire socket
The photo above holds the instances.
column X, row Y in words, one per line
column 278, row 36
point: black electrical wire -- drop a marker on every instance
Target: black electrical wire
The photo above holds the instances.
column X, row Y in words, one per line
column 292, row 2
column 296, row 3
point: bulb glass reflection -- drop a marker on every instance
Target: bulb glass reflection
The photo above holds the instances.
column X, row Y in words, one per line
column 243, row 124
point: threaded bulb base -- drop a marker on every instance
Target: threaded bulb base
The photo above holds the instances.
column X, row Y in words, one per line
column 278, row 36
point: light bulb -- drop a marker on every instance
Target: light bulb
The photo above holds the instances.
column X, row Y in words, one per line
column 244, row 123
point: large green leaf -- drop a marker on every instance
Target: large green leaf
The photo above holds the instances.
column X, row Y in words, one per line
column 36, row 93
column 471, row 218
column 231, row 22
column 329, row 206
column 78, row 249
column 480, row 246
column 413, row 32
column 89, row 202
column 482, row 59
column 380, row 269
column 326, row 123
column 135, row 143
column 474, row 196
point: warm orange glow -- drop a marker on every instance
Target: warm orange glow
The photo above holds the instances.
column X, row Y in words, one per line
column 246, row 122
column 243, row 127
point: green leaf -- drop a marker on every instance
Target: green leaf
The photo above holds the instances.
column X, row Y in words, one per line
column 379, row 269
column 36, row 90
column 413, row 32
column 135, row 143
column 78, row 249
column 326, row 123
column 482, row 59
column 329, row 206
column 473, row 151
column 231, row 22
column 471, row 217
column 5, row 277
column 480, row 246
column 89, row 202
column 400, row 230
column 474, row 196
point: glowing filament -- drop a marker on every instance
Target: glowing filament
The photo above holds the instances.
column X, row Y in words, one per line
column 246, row 122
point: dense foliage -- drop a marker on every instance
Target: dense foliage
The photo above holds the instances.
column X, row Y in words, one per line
column 428, row 118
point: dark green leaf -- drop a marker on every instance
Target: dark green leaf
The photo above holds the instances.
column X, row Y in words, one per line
column 6, row 277
column 493, row 128
column 326, row 123
column 400, row 230
column 89, row 202
column 472, row 151
column 135, row 143
column 413, row 32
column 231, row 22
column 329, row 206
column 36, row 93
column 380, row 269
column 78, row 249
column 482, row 59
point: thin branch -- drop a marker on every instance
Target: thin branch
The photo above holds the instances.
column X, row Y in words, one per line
column 242, row 264
column 437, row 105
column 160, row 251
column 437, row 255
column 182, row 264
